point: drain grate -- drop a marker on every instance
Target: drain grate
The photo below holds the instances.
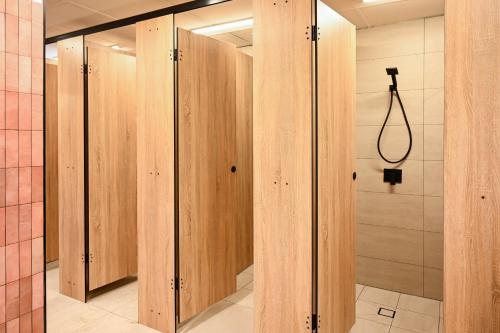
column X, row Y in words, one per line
column 386, row 312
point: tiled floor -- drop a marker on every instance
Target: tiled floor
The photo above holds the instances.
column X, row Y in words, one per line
column 116, row 311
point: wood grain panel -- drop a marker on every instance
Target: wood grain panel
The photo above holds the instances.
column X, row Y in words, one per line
column 282, row 166
column 207, row 187
column 336, row 84
column 71, row 168
column 112, row 166
column 472, row 166
column 155, row 173
column 51, row 165
column 244, row 140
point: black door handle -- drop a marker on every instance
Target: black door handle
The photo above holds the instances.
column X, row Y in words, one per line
column 233, row 169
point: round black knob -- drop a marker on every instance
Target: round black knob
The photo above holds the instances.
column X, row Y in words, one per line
column 233, row 169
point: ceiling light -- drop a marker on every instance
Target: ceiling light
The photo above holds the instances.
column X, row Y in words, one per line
column 225, row 27
column 116, row 47
column 38, row 1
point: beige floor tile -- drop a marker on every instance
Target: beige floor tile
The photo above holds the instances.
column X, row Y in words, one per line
column 399, row 330
column 249, row 286
column 380, row 296
column 223, row 317
column 66, row 315
column 366, row 326
column 114, row 324
column 359, row 289
column 243, row 280
column 116, row 298
column 243, row 297
column 369, row 311
column 419, row 304
column 416, row 322
column 248, row 271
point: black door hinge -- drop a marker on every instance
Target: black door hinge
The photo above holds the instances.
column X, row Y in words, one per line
column 86, row 69
column 314, row 322
column 314, row 33
column 176, row 54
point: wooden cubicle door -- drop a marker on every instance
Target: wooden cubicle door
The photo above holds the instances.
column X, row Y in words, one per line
column 283, row 165
column 71, row 168
column 112, row 166
column 244, row 121
column 336, row 78
column 155, row 173
column 472, row 167
column 207, row 184
column 51, row 164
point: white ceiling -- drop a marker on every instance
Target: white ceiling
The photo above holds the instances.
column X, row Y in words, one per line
column 67, row 15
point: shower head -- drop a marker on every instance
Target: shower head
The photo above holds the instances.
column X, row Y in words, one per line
column 392, row 72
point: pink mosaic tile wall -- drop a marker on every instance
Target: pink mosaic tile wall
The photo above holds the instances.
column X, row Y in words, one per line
column 21, row 166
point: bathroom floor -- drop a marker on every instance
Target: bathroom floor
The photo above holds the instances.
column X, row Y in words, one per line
column 377, row 311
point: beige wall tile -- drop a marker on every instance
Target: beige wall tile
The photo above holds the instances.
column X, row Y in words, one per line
column 394, row 143
column 372, row 108
column 433, row 142
column 433, row 178
column 371, row 177
column 391, row 40
column 372, row 76
column 394, row 244
column 433, row 214
column 390, row 210
column 433, row 283
column 433, row 250
column 434, row 34
column 434, row 70
column 390, row 275
column 434, row 106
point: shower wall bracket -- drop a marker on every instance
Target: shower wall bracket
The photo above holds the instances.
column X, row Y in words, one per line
column 393, row 176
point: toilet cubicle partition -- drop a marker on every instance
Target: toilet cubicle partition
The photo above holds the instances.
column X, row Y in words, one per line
column 304, row 105
column 97, row 167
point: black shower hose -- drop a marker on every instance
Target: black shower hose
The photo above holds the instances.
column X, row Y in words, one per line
column 385, row 123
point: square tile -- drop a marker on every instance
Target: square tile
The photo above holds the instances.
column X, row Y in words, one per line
column 25, row 296
column 359, row 289
column 12, row 301
column 367, row 326
column 433, row 178
column 434, row 214
column 419, row 304
column 434, row 106
column 434, row 34
column 416, row 322
column 25, row 222
column 433, row 142
column 370, row 311
column 434, row 70
column 11, row 225
column 380, row 296
column 12, row 263
column 37, row 148
column 37, row 112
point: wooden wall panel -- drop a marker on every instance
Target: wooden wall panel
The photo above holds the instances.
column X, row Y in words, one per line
column 244, row 140
column 71, row 168
column 336, row 193
column 51, row 165
column 207, row 187
column 155, row 173
column 282, row 165
column 112, row 166
column 472, row 167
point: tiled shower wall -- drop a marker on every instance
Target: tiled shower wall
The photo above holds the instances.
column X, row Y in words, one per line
column 21, row 166
column 400, row 228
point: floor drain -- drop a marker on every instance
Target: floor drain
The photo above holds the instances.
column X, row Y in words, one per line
column 386, row 312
